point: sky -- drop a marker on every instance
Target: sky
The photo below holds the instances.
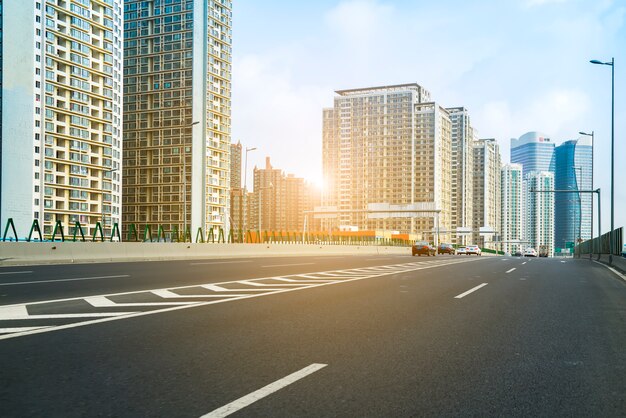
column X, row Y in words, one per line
column 516, row 65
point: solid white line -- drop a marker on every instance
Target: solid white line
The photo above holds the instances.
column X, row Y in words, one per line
column 219, row 262
column 19, row 312
column 65, row 280
column 18, row 329
column 288, row 265
column 473, row 289
column 508, row 271
column 16, row 272
column 249, row 399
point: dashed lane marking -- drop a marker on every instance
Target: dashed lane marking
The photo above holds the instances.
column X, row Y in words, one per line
column 249, row 399
column 473, row 289
column 513, row 269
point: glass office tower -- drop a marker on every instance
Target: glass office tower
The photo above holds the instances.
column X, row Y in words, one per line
column 534, row 151
column 574, row 166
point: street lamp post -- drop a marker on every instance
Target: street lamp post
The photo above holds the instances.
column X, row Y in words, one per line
column 244, row 196
column 184, row 154
column 612, row 64
column 580, row 207
column 593, row 145
column 102, row 205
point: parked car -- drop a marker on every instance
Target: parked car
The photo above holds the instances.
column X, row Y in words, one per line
column 624, row 250
column 423, row 247
column 461, row 251
column 530, row 252
column 473, row 249
column 446, row 249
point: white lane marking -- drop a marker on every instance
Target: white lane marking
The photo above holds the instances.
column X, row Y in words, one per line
column 508, row 271
column 167, row 294
column 473, row 289
column 219, row 262
column 104, row 302
column 66, row 280
column 251, row 398
column 524, row 263
column 16, row 272
column 288, row 265
column 19, row 329
column 263, row 292
column 254, row 283
column 19, row 312
column 563, row 261
column 216, row 288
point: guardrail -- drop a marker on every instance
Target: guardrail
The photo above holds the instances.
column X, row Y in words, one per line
column 602, row 244
column 210, row 236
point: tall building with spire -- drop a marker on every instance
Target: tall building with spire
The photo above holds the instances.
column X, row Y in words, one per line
column 61, row 126
column 177, row 113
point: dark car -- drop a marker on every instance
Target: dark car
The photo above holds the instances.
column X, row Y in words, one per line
column 446, row 249
column 423, row 247
column 518, row 253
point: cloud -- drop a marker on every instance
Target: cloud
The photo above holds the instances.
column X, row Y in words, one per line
column 555, row 113
column 276, row 115
column 533, row 3
column 359, row 21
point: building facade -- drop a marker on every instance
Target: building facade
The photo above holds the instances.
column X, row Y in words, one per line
column 534, row 151
column 237, row 195
column 487, row 193
column 177, row 113
column 462, row 171
column 61, row 143
column 281, row 202
column 512, row 219
column 387, row 145
column 573, row 211
column 539, row 211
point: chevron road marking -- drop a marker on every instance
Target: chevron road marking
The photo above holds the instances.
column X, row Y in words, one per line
column 253, row 288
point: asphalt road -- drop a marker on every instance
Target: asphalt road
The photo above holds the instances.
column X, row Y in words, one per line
column 314, row 336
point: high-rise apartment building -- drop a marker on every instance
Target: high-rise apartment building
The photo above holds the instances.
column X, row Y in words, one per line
column 539, row 211
column 283, row 201
column 462, row 175
column 237, row 194
column 61, row 127
column 534, row 151
column 177, row 113
column 487, row 193
column 512, row 219
column 574, row 170
column 388, row 145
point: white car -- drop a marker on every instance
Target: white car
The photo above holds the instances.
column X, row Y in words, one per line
column 473, row 249
column 530, row 252
column 461, row 251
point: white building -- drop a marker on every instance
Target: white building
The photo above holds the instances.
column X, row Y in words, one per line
column 462, row 170
column 539, row 210
column 512, row 226
column 487, row 194
column 61, row 131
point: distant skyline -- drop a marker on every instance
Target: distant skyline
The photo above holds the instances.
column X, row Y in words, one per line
column 518, row 67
